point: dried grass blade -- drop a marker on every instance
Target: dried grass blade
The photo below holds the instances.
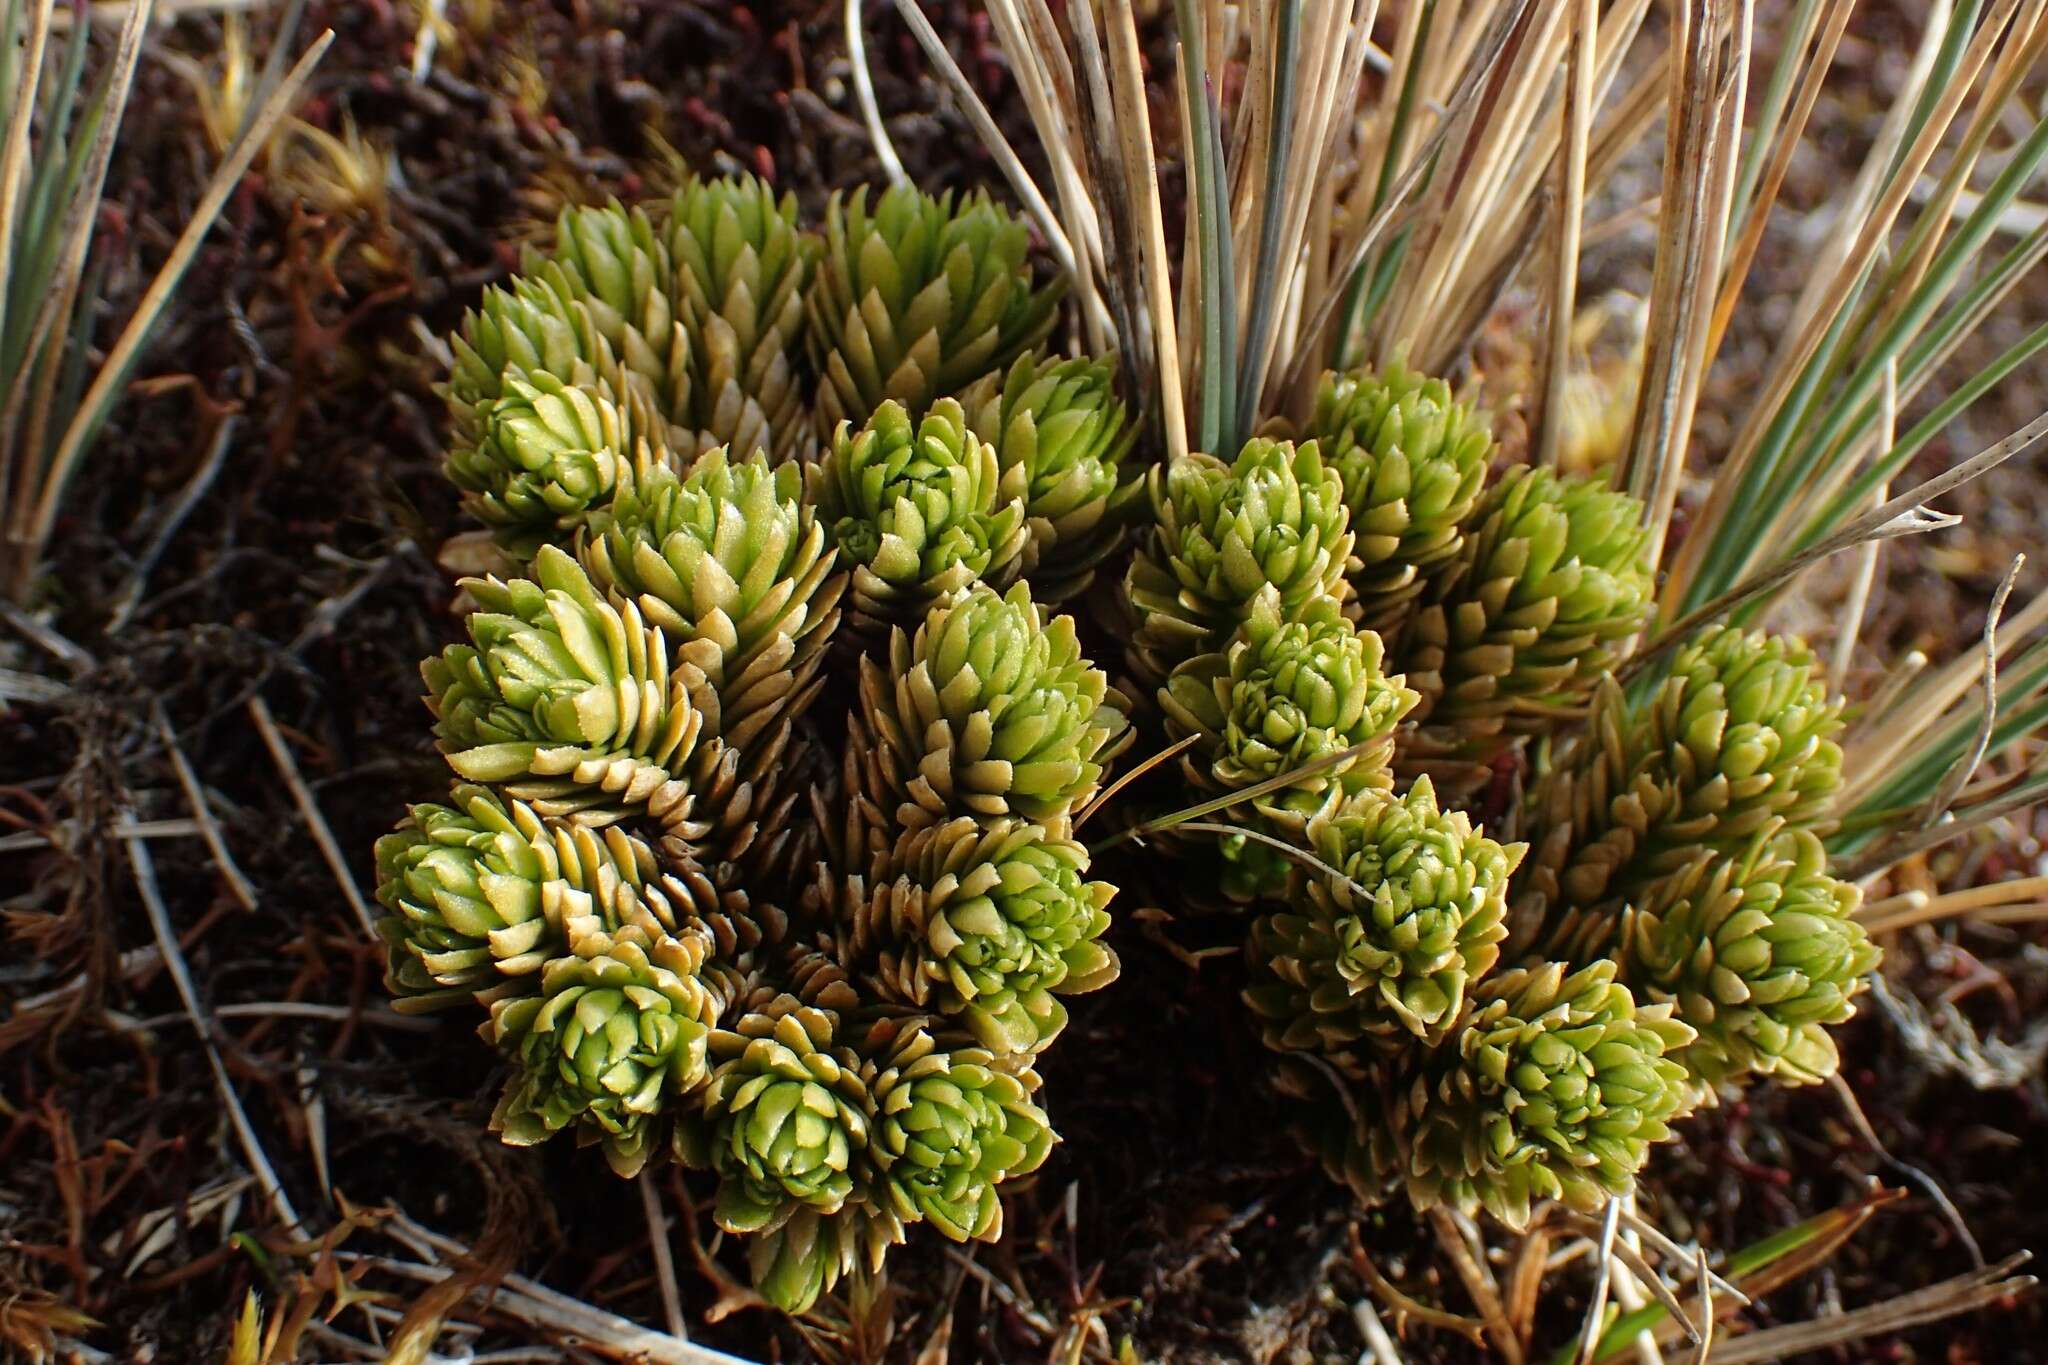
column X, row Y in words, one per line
column 1754, row 213
column 1564, row 287
column 1961, row 1294
column 1044, row 75
column 1124, row 253
column 146, row 884
column 1365, row 749
column 309, row 808
column 1736, row 518
column 1759, row 1268
column 1134, row 129
column 1704, row 123
column 992, row 139
column 1471, row 102
column 27, row 407
column 1965, row 767
column 864, row 93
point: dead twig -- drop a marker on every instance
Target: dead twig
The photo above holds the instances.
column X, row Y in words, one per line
column 181, row 977
column 664, row 1260
column 309, row 808
column 202, row 814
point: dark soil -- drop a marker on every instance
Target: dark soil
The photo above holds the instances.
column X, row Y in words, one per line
column 1178, row 1214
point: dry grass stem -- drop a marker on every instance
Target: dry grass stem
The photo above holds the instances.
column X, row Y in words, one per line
column 864, row 92
column 144, row 868
column 309, row 810
column 1962, row 1294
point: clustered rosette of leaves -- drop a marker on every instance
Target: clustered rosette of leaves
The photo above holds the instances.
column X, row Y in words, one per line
column 703, row 438
column 1349, row 632
column 729, row 462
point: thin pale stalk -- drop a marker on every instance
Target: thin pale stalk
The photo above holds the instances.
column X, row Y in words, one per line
column 1929, row 357
column 991, row 137
column 1962, row 1294
column 1792, row 45
column 1535, row 166
column 1360, row 751
column 864, row 93
column 1452, row 337
column 1835, row 278
column 144, row 867
column 1965, row 767
column 1124, row 254
column 1872, row 749
column 1246, row 149
column 1212, row 260
column 1755, row 212
column 1937, row 211
column 1046, row 81
column 1134, row 126
column 1656, row 445
column 1474, row 192
column 1315, row 159
column 1893, row 849
column 1479, row 1283
column 1889, row 916
column 1596, row 1312
column 1564, row 287
column 1466, row 105
column 1759, row 1267
column 1854, row 606
column 1276, row 150
column 1850, row 410
column 1410, row 43
column 1882, row 159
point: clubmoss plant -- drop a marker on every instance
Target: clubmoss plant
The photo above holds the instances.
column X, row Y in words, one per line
column 678, row 954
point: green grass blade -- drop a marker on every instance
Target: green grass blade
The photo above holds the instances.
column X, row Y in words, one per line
column 14, row 158
column 1207, row 202
column 1833, row 430
column 1771, row 110
column 1359, row 302
column 1266, row 275
column 1734, row 537
column 1955, row 40
column 1927, row 355
column 108, row 386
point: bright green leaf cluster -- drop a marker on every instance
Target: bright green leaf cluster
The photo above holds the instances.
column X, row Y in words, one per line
column 918, row 510
column 1477, row 1027
column 919, row 299
column 834, row 1005
column 1553, row 580
column 1738, row 732
column 1757, row 952
column 1224, row 533
column 1413, row 461
column 1386, row 949
column 1554, row 1088
column 1059, row 435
